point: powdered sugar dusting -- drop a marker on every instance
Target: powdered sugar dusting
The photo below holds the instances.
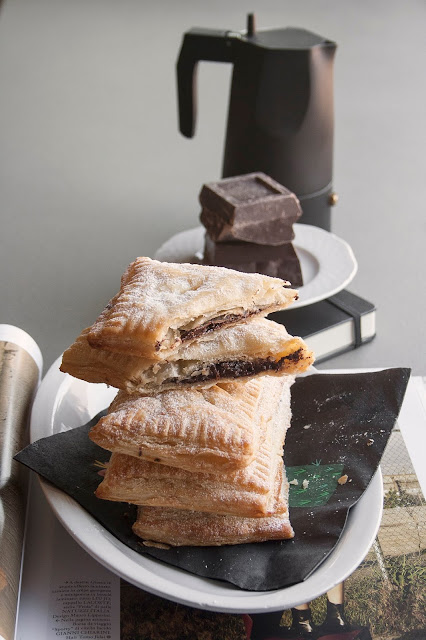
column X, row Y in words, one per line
column 249, row 491
column 158, row 297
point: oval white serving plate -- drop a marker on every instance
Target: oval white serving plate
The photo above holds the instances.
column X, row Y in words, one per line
column 63, row 402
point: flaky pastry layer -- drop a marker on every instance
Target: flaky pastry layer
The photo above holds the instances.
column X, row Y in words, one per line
column 199, row 430
column 177, row 527
column 253, row 491
column 242, row 351
column 161, row 304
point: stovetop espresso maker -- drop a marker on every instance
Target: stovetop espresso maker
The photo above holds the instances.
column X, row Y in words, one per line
column 281, row 115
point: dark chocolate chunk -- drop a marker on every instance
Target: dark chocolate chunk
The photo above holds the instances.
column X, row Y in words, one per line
column 269, row 232
column 216, row 226
column 249, row 199
column 216, row 253
column 287, row 267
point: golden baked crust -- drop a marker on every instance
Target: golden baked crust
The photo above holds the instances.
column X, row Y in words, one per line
column 199, row 430
column 244, row 350
column 161, row 304
column 132, row 480
column 177, row 527
column 253, row 491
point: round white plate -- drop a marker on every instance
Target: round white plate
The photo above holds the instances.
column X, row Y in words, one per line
column 327, row 262
column 63, row 402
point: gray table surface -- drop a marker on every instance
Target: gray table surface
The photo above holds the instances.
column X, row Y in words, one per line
column 93, row 170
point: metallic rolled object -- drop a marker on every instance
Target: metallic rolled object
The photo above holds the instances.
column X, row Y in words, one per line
column 20, row 370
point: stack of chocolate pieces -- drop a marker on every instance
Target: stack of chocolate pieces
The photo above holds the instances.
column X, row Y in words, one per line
column 197, row 428
column 249, row 226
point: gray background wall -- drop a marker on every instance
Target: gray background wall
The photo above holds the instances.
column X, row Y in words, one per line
column 93, row 170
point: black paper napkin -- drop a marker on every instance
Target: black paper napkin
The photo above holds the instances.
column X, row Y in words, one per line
column 340, row 426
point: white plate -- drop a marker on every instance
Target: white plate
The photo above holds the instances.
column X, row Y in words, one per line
column 327, row 262
column 63, row 402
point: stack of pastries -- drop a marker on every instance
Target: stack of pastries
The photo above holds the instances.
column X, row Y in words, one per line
column 197, row 428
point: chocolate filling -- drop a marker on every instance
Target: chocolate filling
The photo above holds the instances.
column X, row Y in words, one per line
column 223, row 321
column 241, row 368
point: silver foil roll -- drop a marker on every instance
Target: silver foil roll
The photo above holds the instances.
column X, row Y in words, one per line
column 20, row 371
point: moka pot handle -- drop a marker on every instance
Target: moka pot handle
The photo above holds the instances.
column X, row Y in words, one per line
column 198, row 44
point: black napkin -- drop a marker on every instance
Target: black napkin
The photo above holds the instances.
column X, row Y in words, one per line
column 340, row 426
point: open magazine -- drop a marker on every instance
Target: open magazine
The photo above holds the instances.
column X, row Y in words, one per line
column 66, row 594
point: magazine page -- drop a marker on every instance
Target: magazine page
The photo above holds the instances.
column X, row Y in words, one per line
column 65, row 593
column 20, row 370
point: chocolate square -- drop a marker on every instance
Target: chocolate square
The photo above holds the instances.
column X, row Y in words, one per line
column 287, row 267
column 217, row 253
column 246, row 203
column 270, row 232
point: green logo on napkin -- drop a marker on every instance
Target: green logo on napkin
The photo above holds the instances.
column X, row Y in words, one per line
column 313, row 484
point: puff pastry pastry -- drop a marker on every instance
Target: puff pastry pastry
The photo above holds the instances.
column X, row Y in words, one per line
column 198, row 430
column 253, row 491
column 160, row 305
column 244, row 350
column 177, row 527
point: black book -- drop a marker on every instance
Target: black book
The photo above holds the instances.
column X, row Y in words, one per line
column 331, row 327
